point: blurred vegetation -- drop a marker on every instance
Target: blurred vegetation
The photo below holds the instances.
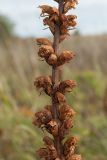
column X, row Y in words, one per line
column 6, row 27
column 19, row 64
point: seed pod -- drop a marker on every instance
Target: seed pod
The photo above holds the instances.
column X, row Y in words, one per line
column 69, row 146
column 59, row 98
column 66, row 112
column 48, row 10
column 65, row 57
column 45, row 51
column 52, row 127
column 43, row 41
column 67, row 86
column 52, row 60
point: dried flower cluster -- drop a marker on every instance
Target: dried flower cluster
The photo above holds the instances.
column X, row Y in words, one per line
column 57, row 118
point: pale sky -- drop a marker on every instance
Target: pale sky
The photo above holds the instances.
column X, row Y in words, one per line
column 92, row 16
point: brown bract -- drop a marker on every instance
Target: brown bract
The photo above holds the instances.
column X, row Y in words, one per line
column 59, row 98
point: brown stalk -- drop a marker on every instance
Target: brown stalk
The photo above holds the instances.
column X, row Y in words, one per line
column 56, row 79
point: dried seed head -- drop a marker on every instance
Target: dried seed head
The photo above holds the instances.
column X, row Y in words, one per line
column 59, row 98
column 52, row 60
column 65, row 57
column 66, row 86
column 43, row 41
column 45, row 51
column 66, row 112
column 48, row 10
column 52, row 127
column 69, row 146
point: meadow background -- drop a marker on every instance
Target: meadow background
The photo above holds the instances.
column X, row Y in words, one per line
column 19, row 65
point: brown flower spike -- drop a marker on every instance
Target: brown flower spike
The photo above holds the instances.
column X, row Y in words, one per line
column 56, row 119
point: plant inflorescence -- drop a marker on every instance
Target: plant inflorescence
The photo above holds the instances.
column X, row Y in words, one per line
column 57, row 118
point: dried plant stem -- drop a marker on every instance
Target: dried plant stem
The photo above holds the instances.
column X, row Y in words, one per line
column 55, row 81
column 57, row 118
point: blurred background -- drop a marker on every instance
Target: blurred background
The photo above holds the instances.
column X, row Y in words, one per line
column 20, row 24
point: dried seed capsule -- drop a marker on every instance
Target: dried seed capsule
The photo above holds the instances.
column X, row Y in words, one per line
column 43, row 41
column 52, row 127
column 45, row 51
column 65, row 57
column 66, row 86
column 52, row 60
column 59, row 98
column 66, row 112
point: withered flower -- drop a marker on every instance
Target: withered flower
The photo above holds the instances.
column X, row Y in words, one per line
column 52, row 60
column 74, row 157
column 66, row 112
column 66, row 86
column 52, row 127
column 59, row 98
column 69, row 146
column 49, row 23
column 42, row 118
column 70, row 4
column 48, row 10
column 65, row 57
column 43, row 41
column 44, row 83
column 45, row 51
